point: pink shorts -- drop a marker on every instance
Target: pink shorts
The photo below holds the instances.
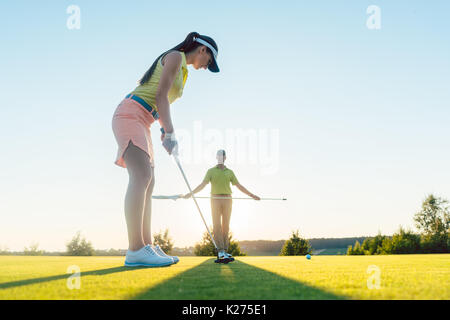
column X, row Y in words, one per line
column 131, row 121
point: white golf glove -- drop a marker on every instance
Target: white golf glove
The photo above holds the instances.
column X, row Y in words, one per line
column 170, row 143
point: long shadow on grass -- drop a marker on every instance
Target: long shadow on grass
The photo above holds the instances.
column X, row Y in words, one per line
column 236, row 280
column 99, row 272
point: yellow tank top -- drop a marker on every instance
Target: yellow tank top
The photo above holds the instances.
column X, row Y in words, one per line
column 148, row 90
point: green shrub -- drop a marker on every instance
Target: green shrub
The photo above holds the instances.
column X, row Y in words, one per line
column 295, row 246
column 435, row 243
column 206, row 247
column 356, row 249
column 386, row 246
column 405, row 242
column 33, row 250
column 163, row 240
column 79, row 246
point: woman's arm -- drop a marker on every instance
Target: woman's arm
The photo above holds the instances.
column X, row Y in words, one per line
column 169, row 72
column 198, row 189
column 244, row 190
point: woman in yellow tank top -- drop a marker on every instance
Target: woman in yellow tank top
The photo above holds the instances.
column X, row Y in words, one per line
column 160, row 86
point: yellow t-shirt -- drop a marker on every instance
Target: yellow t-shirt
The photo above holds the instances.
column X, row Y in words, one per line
column 148, row 90
column 220, row 180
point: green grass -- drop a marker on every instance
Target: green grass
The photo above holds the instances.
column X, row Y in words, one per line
column 322, row 277
column 333, row 251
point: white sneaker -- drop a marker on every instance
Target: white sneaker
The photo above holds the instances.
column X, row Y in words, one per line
column 229, row 256
column 147, row 257
column 163, row 254
column 223, row 257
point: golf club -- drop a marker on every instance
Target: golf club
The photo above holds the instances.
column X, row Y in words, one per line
column 178, row 196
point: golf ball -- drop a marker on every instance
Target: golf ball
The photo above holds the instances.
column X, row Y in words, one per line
column 308, row 256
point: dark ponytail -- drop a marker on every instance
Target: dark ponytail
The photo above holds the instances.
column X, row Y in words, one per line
column 186, row 46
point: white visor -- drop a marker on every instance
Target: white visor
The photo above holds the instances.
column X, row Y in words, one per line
column 206, row 43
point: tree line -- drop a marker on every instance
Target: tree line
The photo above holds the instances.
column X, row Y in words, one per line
column 432, row 221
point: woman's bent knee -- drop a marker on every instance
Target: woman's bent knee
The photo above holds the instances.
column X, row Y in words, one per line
column 138, row 165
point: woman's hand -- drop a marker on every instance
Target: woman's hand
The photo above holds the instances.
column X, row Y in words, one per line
column 170, row 143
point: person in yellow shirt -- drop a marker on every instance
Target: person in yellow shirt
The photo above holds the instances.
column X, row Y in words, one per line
column 161, row 85
column 220, row 177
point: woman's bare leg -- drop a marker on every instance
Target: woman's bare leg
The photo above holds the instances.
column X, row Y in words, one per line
column 140, row 176
column 147, row 227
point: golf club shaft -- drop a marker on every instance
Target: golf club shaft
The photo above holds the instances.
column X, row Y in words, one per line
column 175, row 197
column 239, row 198
column 195, row 200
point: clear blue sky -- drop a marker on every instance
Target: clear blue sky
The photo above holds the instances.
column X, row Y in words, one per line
column 362, row 115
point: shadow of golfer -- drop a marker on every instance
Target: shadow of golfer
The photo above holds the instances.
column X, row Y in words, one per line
column 236, row 280
column 99, row 272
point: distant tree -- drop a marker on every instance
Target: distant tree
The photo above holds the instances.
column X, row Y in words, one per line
column 206, row 247
column 110, row 252
column 356, row 249
column 296, row 246
column 435, row 243
column 434, row 223
column 373, row 244
column 350, row 250
column 234, row 249
column 405, row 242
column 163, row 240
column 186, row 251
column 4, row 250
column 386, row 246
column 79, row 246
column 434, row 216
column 376, row 243
column 365, row 246
column 33, row 250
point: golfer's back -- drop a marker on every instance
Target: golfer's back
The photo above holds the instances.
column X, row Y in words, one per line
column 220, row 180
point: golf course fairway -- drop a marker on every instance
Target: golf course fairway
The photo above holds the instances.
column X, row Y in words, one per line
column 425, row 276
